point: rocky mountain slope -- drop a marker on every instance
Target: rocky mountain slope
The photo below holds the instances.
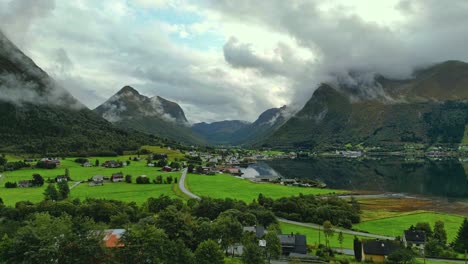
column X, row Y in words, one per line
column 156, row 115
column 429, row 108
column 235, row 132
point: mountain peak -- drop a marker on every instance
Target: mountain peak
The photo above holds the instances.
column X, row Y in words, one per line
column 128, row 89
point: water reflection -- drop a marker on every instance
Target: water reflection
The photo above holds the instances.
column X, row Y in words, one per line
column 424, row 177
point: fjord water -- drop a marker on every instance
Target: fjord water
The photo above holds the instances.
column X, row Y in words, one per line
column 424, row 177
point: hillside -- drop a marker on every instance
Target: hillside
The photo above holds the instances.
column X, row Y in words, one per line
column 430, row 108
column 37, row 116
column 236, row 132
column 156, row 115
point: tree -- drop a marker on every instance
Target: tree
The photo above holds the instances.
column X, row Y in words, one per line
column 426, row 227
column 37, row 180
column 229, row 230
column 461, row 242
column 64, row 190
column 273, row 244
column 402, row 256
column 341, row 239
column 51, row 193
column 96, row 163
column 67, row 173
column 169, row 179
column 328, row 232
column 209, row 252
column 159, row 179
column 128, row 178
column 357, row 246
column 439, row 232
column 252, row 254
column 3, row 160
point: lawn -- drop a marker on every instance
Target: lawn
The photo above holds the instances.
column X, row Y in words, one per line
column 11, row 196
column 79, row 173
column 227, row 186
column 394, row 226
column 313, row 236
column 126, row 192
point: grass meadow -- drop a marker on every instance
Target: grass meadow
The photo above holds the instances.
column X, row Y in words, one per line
column 394, row 226
column 224, row 186
column 120, row 191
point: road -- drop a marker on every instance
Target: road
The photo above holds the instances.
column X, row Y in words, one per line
column 75, row 184
column 350, row 232
column 182, row 186
column 345, row 231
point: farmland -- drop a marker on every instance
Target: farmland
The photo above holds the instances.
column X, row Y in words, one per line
column 120, row 191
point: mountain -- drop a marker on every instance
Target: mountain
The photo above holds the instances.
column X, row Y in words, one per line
column 219, row 133
column 429, row 108
column 155, row 115
column 236, row 132
column 38, row 116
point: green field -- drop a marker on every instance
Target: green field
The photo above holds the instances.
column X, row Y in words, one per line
column 79, row 173
column 313, row 236
column 394, row 226
column 465, row 136
column 171, row 153
column 227, row 186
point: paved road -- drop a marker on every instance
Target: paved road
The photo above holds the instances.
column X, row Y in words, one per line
column 182, row 186
column 74, row 185
column 345, row 231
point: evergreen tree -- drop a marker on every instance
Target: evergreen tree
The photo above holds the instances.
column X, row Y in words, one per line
column 37, row 180
column 439, row 232
column 51, row 193
column 64, row 190
column 461, row 242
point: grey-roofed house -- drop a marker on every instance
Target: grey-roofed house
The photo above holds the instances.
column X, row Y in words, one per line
column 414, row 237
column 259, row 231
column 293, row 244
column 377, row 250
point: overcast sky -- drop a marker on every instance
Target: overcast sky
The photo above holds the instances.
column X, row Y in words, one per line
column 230, row 59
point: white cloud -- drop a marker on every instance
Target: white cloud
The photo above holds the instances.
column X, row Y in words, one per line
column 272, row 52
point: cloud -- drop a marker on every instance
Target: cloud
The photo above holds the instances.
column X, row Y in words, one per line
column 16, row 17
column 344, row 44
column 255, row 54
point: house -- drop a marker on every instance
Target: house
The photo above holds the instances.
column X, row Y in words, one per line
column 98, row 180
column 270, row 178
column 61, row 178
column 112, row 238
column 48, row 161
column 117, row 177
column 112, row 164
column 377, row 250
column 166, row 169
column 288, row 181
column 150, row 164
column 25, row 184
column 87, row 164
column 416, row 238
column 259, row 231
column 293, row 244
